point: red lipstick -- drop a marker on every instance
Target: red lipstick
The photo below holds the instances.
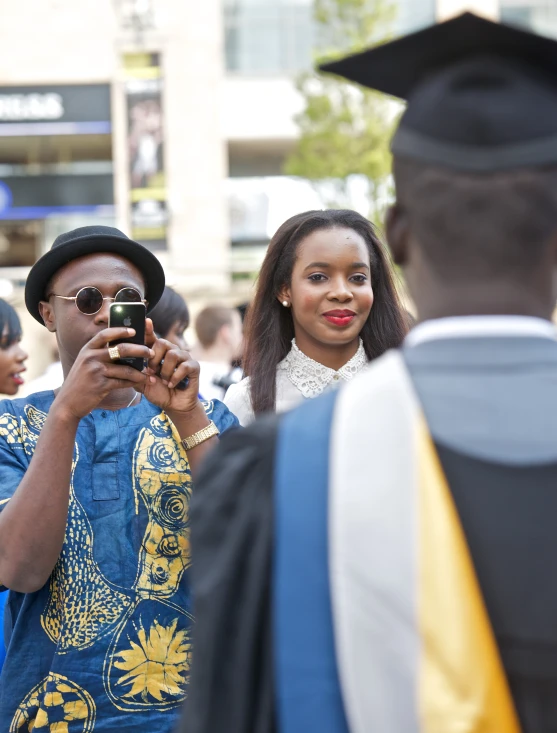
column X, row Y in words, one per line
column 340, row 317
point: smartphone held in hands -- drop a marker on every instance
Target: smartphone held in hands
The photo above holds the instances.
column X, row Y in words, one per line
column 129, row 315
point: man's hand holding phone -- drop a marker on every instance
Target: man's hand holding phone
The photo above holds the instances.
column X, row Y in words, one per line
column 94, row 374
column 149, row 364
column 166, row 369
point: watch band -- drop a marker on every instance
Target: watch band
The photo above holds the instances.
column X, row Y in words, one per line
column 201, row 436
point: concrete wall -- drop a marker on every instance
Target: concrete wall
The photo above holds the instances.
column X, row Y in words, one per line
column 196, row 152
column 58, row 41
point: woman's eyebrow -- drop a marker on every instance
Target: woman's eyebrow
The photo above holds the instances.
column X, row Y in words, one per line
column 323, row 265
column 317, row 264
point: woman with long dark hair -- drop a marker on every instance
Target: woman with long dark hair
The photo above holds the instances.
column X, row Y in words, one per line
column 326, row 304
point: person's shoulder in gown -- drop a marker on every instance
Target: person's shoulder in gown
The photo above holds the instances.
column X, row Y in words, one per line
column 231, row 534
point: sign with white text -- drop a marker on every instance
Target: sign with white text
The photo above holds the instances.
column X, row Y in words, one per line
column 70, row 109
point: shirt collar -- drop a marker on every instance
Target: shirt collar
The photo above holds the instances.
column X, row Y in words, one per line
column 311, row 377
column 480, row 326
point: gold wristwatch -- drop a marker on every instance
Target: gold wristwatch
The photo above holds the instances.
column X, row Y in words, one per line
column 201, row 436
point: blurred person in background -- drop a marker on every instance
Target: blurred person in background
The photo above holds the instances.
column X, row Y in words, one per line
column 243, row 310
column 12, row 366
column 381, row 559
column 171, row 318
column 326, row 304
column 237, row 373
column 220, row 342
column 12, row 356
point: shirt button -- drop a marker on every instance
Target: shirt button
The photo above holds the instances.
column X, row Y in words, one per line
column 103, row 414
column 336, row 377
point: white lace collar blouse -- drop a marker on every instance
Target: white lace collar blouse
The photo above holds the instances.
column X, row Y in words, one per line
column 298, row 378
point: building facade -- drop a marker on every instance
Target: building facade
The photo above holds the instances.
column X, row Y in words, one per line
column 170, row 119
column 111, row 112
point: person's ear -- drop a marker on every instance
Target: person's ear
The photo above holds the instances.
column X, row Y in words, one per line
column 398, row 233
column 225, row 334
column 47, row 314
column 284, row 296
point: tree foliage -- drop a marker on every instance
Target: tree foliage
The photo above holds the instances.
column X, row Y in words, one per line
column 344, row 129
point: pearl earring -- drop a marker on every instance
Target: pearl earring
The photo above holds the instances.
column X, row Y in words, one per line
column 285, row 303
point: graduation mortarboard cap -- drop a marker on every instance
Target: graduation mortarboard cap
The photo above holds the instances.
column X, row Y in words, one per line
column 482, row 96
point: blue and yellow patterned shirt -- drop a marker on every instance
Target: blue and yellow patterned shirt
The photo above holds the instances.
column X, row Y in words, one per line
column 104, row 646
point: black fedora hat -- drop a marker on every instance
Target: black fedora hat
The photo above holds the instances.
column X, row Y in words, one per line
column 90, row 240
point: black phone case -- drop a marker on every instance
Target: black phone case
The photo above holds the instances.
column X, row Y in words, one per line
column 129, row 315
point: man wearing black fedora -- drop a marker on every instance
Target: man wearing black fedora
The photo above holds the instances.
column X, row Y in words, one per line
column 95, row 482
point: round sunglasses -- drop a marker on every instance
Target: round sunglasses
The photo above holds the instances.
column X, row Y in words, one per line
column 89, row 300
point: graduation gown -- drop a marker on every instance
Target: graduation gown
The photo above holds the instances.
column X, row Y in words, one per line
column 293, row 519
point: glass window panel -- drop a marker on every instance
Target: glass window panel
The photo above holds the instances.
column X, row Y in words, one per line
column 538, row 15
column 414, row 14
column 267, row 37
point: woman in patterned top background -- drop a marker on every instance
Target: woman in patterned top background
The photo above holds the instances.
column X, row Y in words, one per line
column 325, row 305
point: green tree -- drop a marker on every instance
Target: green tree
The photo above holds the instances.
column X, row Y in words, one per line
column 345, row 129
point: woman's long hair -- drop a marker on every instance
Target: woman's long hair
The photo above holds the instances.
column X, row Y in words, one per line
column 269, row 326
